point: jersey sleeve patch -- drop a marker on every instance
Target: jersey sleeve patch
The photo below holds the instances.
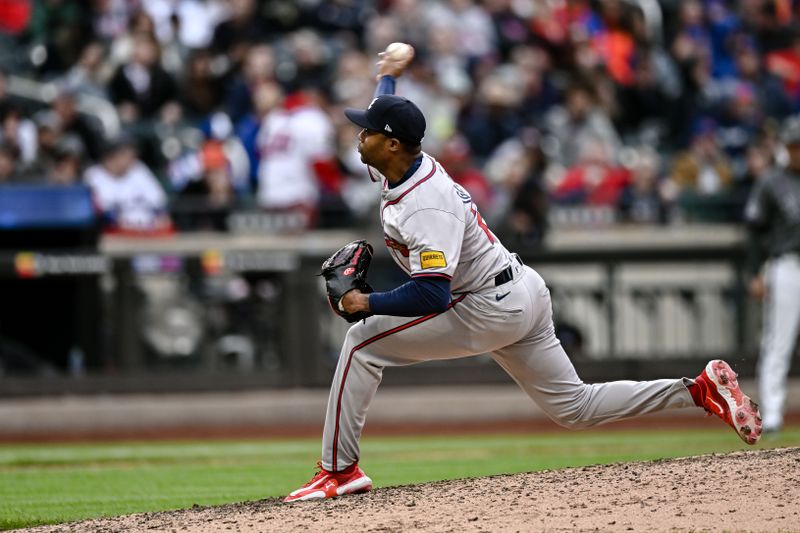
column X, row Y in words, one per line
column 432, row 259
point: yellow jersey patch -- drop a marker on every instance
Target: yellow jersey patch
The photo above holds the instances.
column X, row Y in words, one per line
column 432, row 259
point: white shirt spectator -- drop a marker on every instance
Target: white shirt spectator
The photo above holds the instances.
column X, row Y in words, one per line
column 197, row 20
column 134, row 200
column 20, row 132
column 289, row 143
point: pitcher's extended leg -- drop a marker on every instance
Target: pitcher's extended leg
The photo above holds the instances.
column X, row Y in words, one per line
column 540, row 366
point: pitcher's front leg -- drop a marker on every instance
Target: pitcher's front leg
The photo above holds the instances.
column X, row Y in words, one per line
column 354, row 385
column 382, row 341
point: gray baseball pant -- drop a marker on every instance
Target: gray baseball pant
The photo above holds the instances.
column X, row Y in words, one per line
column 517, row 330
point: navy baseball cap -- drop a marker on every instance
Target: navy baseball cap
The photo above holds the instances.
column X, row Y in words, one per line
column 392, row 115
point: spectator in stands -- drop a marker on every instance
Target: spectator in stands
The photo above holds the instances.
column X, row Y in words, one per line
column 494, row 116
column 426, row 84
column 358, row 190
column 63, row 28
column 90, row 74
column 48, row 133
column 769, row 22
column 770, row 96
column 746, row 100
column 701, row 176
column 410, row 22
column 3, row 89
column 580, row 122
column 126, row 192
column 640, row 201
column 266, row 97
column 703, row 169
column 647, row 100
column 202, row 90
column 195, row 20
column 20, row 132
column 111, row 18
column 457, row 159
column 475, row 34
column 298, row 172
column 9, row 163
column 596, row 179
column 15, row 16
column 243, row 27
column 692, row 40
column 60, row 157
column 206, row 201
column 68, row 159
column 352, row 85
column 174, row 54
column 121, row 48
column 540, row 92
column 523, row 184
column 221, row 149
column 142, row 89
column 509, row 26
column 441, row 65
column 785, row 65
column 613, row 41
column 65, row 106
column 722, row 25
column 691, row 51
column 560, row 25
column 310, row 66
column 258, row 68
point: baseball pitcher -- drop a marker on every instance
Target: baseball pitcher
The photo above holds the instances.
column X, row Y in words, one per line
column 466, row 295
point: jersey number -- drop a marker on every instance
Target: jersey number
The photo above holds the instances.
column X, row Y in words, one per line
column 276, row 144
column 482, row 224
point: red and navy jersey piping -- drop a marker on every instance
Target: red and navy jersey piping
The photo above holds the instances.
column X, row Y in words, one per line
column 439, row 275
column 420, row 182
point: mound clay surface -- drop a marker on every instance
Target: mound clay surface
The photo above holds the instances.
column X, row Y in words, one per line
column 743, row 491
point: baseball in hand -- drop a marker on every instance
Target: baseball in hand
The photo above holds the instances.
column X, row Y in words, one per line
column 399, row 51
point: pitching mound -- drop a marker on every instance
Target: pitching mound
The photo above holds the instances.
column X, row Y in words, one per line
column 743, row 491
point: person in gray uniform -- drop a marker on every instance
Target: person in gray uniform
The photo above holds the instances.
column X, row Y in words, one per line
column 773, row 218
column 467, row 295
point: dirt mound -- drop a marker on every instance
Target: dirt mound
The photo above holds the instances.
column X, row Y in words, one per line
column 743, row 491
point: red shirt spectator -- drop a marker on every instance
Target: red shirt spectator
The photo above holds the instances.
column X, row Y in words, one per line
column 14, row 16
column 785, row 65
column 594, row 180
column 593, row 183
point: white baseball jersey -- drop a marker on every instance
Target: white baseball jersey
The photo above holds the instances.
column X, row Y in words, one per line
column 134, row 199
column 433, row 229
column 289, row 143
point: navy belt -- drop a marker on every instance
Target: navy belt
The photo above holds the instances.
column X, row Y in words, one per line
column 507, row 274
column 504, row 277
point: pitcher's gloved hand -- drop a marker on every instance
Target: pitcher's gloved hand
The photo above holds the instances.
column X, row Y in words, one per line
column 344, row 271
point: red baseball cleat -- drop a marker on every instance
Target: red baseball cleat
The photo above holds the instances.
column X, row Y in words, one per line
column 719, row 393
column 326, row 484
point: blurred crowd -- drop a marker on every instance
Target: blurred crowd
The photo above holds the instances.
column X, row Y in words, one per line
column 179, row 113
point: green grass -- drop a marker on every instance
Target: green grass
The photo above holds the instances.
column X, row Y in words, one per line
column 54, row 483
